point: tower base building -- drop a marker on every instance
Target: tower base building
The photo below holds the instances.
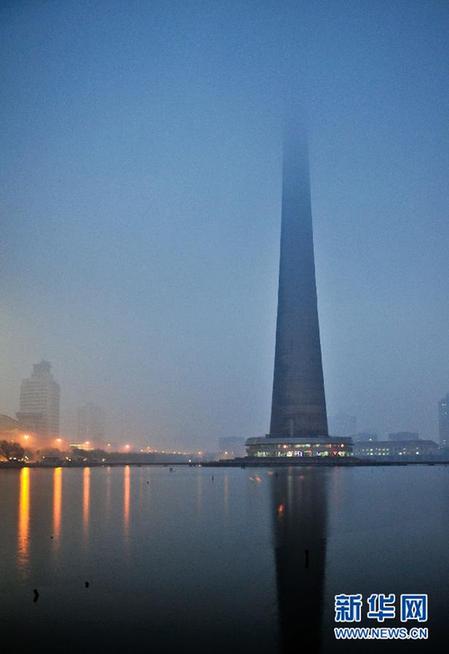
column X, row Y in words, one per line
column 269, row 447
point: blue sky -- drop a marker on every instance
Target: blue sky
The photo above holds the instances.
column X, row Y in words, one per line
column 141, row 151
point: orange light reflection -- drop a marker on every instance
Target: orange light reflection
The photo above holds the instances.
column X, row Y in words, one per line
column 86, row 498
column 126, row 496
column 24, row 517
column 57, row 502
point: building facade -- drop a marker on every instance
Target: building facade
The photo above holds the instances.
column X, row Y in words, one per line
column 39, row 402
column 400, row 449
column 295, row 447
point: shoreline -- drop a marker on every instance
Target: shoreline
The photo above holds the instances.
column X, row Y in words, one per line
column 232, row 463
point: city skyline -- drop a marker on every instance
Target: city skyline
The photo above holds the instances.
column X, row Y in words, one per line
column 90, row 421
column 141, row 210
column 224, row 390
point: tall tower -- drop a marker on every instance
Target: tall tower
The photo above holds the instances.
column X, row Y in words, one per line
column 39, row 402
column 298, row 405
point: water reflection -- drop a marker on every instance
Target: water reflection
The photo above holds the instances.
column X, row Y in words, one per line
column 108, row 492
column 57, row 504
column 199, row 493
column 86, row 500
column 141, row 487
column 203, row 580
column 126, row 498
column 299, row 498
column 226, row 495
column 24, row 519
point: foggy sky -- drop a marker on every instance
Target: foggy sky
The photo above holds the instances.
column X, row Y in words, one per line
column 140, row 220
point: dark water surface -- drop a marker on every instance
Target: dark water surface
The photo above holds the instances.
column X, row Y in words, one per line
column 232, row 560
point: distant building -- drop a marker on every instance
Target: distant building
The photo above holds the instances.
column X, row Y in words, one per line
column 91, row 424
column 39, row 402
column 231, row 446
column 443, row 415
column 395, row 449
column 342, row 424
column 404, row 436
column 364, row 436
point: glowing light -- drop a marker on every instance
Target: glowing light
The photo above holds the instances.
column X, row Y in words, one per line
column 26, row 437
column 126, row 496
column 281, row 509
column 24, row 516
column 86, row 498
column 127, row 446
column 57, row 501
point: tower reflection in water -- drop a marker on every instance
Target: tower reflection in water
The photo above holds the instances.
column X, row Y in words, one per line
column 299, row 497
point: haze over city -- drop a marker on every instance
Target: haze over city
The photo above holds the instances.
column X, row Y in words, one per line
column 141, row 208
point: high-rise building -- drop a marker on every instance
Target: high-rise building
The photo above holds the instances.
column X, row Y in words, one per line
column 443, row 415
column 39, row 402
column 91, row 424
column 298, row 411
column 298, row 403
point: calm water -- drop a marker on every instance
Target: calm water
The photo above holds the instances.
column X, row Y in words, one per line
column 180, row 561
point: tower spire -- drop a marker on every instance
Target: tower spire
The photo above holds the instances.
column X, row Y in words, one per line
column 298, row 404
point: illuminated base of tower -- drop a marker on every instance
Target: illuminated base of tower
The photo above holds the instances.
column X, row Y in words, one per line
column 307, row 446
